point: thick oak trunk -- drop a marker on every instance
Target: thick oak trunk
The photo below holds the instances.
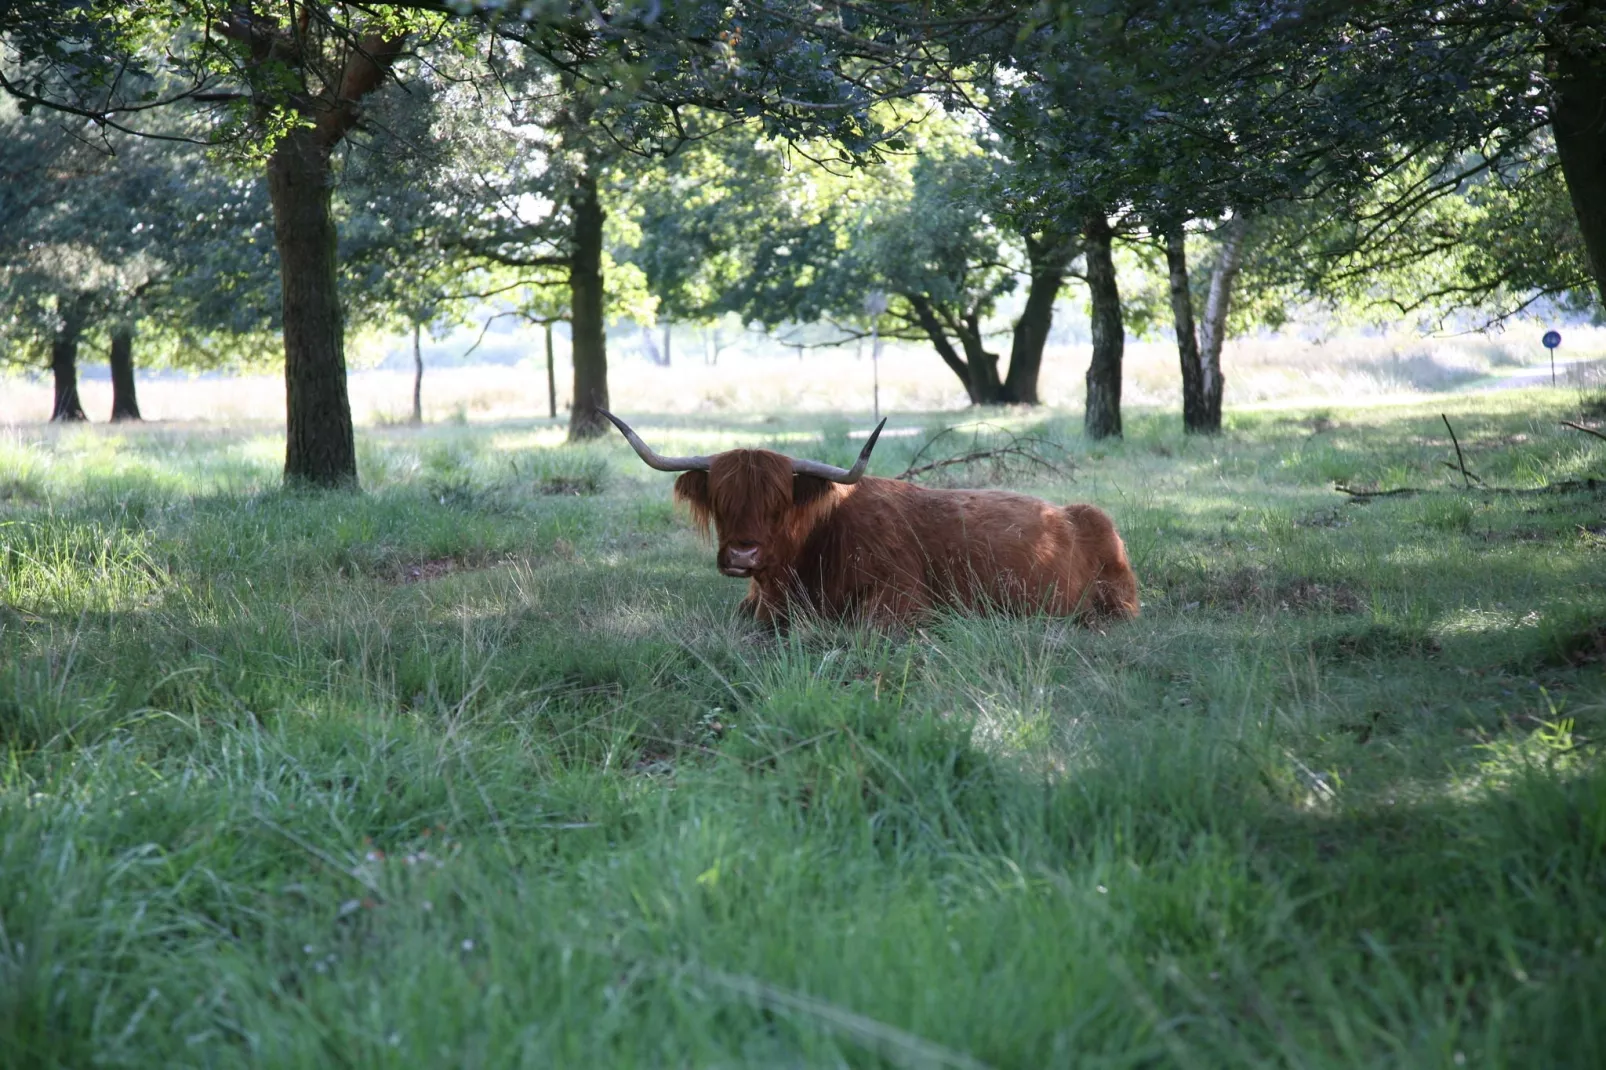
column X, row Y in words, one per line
column 1578, row 121
column 320, row 450
column 1102, row 418
column 586, row 327
column 1031, row 330
column 418, row 376
column 125, row 398
column 64, row 361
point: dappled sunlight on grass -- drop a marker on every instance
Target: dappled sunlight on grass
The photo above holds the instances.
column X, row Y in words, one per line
column 64, row 569
column 493, row 732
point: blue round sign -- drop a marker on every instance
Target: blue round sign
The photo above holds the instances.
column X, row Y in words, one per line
column 1551, row 340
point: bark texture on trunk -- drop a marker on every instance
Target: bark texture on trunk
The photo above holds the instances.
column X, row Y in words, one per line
column 927, row 317
column 290, row 69
column 418, row 376
column 320, row 450
column 982, row 362
column 551, row 376
column 977, row 368
column 64, row 360
column 1102, row 418
column 1213, row 329
column 1578, row 122
column 586, row 327
column 1176, row 260
column 1036, row 319
column 125, row 397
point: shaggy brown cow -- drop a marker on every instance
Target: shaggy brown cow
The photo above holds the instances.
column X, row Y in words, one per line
column 816, row 537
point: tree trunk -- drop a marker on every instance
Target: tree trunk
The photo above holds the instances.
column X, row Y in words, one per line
column 320, row 449
column 1578, row 122
column 418, row 376
column 590, row 353
column 984, row 385
column 1193, row 402
column 125, row 399
column 1102, row 418
column 666, row 343
column 1213, row 331
column 927, row 316
column 64, row 360
column 1031, row 330
column 551, row 376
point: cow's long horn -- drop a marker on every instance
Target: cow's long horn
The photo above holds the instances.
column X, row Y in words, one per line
column 655, row 460
column 831, row 471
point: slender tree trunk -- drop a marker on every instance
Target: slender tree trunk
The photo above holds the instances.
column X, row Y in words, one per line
column 927, row 315
column 320, row 449
column 983, row 364
column 551, row 375
column 1213, row 331
column 418, row 375
column 64, row 360
column 125, row 399
column 1578, row 122
column 666, row 343
column 1193, row 402
column 1103, row 415
column 586, row 327
column 1031, row 330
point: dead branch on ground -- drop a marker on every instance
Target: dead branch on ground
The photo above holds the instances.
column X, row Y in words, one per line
column 1581, row 427
column 1014, row 456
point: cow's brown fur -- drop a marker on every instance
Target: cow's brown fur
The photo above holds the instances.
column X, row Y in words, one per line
column 889, row 551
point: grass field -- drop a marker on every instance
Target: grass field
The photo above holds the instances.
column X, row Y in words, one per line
column 478, row 768
column 1285, row 369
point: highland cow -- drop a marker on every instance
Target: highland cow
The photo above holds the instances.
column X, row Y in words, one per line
column 812, row 537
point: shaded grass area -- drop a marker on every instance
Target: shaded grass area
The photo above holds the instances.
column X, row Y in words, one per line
column 479, row 767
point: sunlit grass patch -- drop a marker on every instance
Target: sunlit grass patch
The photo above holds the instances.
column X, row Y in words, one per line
column 56, row 566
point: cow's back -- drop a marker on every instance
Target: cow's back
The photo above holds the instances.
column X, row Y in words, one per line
column 892, row 548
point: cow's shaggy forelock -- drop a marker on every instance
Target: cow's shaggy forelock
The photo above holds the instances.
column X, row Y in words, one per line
column 752, row 496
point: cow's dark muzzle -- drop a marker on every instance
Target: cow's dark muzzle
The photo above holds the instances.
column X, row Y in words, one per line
column 739, row 559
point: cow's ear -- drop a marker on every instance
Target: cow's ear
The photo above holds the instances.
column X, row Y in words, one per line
column 811, row 490
column 692, row 488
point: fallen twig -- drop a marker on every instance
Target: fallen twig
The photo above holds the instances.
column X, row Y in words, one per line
column 1474, row 475
column 1466, row 477
column 1024, row 450
column 1354, row 493
column 1566, row 486
column 1581, row 427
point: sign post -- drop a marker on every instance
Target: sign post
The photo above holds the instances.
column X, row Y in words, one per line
column 875, row 303
column 1550, row 341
